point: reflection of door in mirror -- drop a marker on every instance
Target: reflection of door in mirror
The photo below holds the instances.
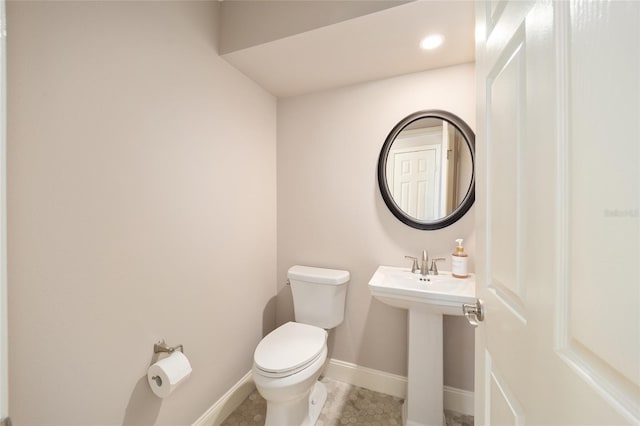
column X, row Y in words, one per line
column 453, row 182
column 415, row 168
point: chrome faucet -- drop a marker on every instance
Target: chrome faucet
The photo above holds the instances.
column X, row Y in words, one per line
column 424, row 269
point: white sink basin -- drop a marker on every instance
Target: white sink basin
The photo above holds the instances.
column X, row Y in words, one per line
column 441, row 293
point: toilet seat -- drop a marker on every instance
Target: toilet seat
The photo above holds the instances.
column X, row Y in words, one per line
column 289, row 349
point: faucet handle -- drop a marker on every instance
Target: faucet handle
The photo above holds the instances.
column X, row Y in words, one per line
column 414, row 267
column 434, row 267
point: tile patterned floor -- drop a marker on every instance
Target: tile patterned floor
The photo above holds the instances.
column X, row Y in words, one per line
column 453, row 418
column 346, row 405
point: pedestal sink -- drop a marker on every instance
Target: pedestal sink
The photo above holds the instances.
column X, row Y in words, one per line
column 427, row 299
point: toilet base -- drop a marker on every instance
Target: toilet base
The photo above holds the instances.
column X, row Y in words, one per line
column 317, row 398
column 301, row 412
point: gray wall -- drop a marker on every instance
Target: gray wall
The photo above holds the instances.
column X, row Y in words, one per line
column 141, row 205
column 249, row 23
column 331, row 214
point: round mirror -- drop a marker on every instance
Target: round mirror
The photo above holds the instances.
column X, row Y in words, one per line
column 426, row 169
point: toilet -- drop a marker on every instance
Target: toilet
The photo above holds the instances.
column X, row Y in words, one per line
column 288, row 361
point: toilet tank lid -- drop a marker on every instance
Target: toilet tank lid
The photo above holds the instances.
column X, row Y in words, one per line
column 318, row 275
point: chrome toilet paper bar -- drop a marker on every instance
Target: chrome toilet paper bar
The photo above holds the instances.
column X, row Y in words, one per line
column 163, row 347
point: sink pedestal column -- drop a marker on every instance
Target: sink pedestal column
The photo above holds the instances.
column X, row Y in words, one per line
column 425, row 404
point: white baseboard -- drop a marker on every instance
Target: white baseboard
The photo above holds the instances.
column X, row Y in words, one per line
column 368, row 378
column 221, row 409
column 391, row 384
column 459, row 400
column 455, row 399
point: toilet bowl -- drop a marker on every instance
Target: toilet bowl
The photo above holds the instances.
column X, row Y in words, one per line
column 286, row 368
column 289, row 360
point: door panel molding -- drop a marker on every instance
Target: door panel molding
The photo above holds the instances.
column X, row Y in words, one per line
column 493, row 12
column 500, row 401
column 509, row 66
column 602, row 376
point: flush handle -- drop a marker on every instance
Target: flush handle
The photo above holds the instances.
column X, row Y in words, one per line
column 474, row 312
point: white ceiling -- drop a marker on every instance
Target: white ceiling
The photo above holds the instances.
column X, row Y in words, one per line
column 370, row 47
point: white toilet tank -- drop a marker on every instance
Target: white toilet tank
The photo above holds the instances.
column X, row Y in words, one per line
column 318, row 295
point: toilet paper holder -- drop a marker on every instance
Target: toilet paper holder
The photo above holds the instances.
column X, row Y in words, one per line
column 161, row 346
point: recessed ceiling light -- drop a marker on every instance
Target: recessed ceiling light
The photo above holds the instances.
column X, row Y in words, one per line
column 432, row 41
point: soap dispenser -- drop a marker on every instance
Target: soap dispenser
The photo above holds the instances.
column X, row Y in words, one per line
column 459, row 261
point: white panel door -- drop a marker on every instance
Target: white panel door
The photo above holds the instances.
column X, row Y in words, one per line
column 416, row 181
column 558, row 223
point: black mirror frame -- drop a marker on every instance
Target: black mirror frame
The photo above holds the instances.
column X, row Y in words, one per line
column 469, row 198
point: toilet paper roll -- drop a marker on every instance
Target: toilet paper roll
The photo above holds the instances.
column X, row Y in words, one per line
column 167, row 374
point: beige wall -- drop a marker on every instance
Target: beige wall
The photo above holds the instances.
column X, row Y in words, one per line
column 142, row 205
column 128, row 138
column 331, row 214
